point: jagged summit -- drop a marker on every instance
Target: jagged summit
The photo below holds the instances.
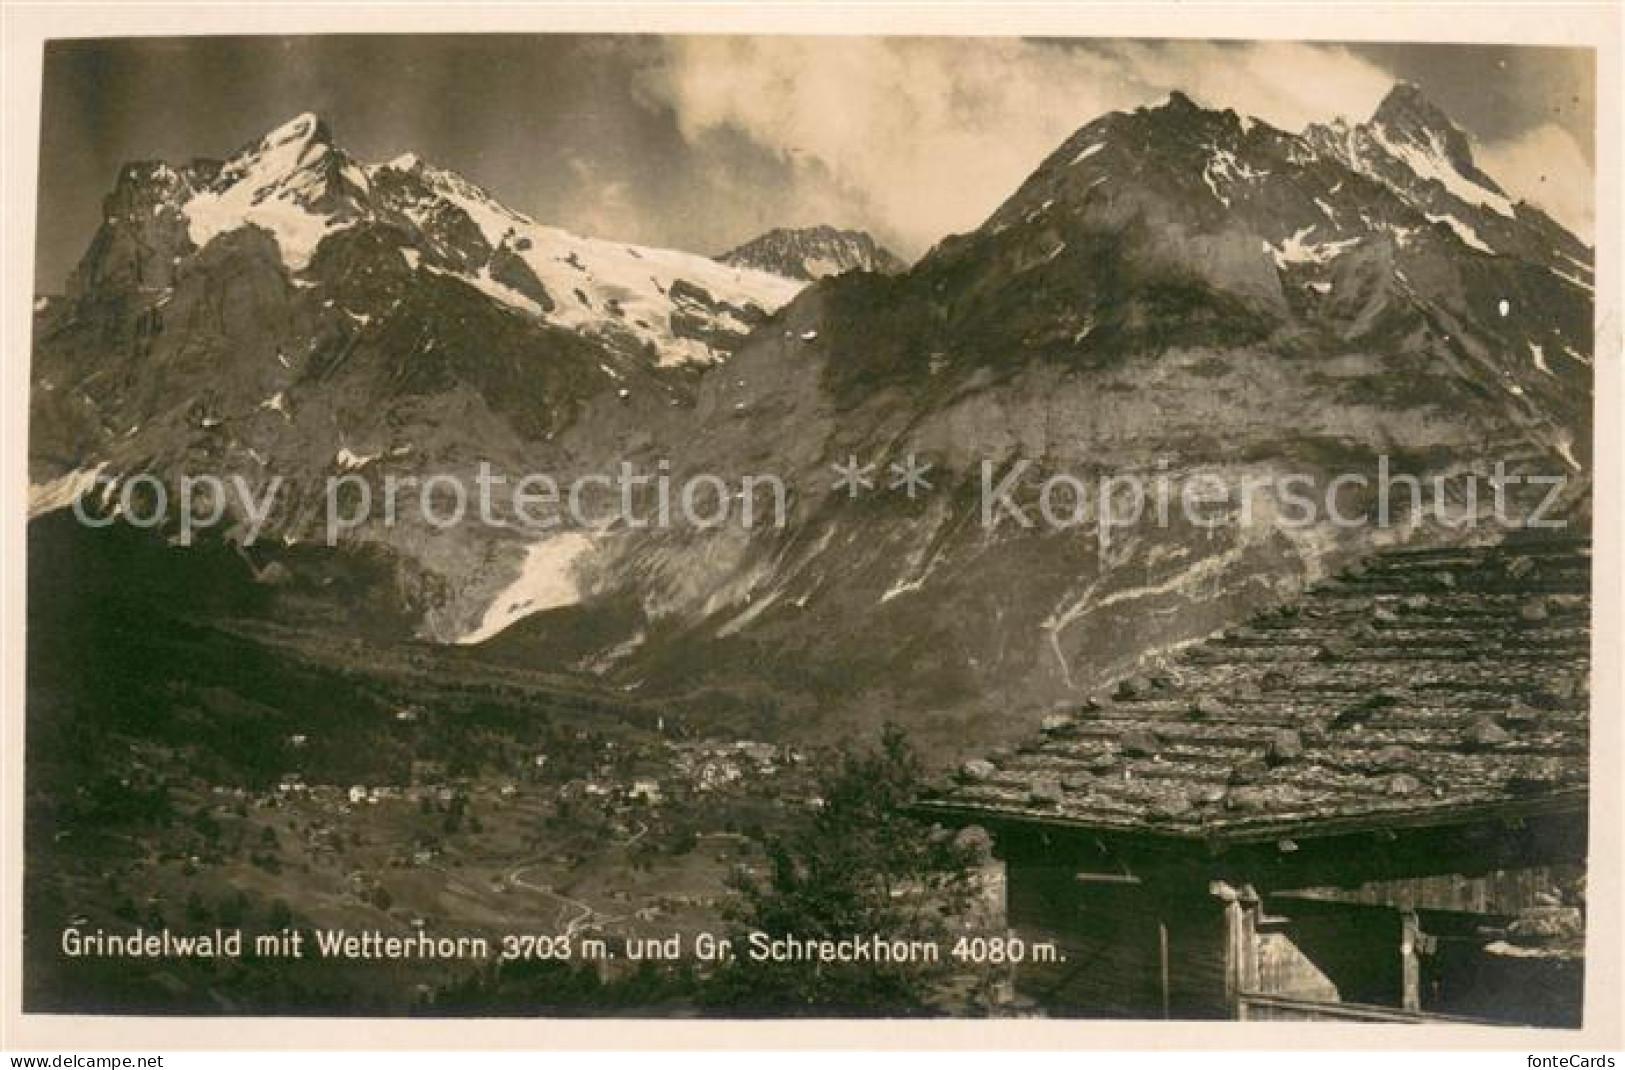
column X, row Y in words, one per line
column 306, row 126
column 1414, row 148
column 1179, row 224
column 1408, row 116
column 809, row 253
column 1179, row 101
column 292, row 182
column 297, row 185
column 1408, row 109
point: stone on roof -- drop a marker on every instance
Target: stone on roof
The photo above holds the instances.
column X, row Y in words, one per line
column 1421, row 685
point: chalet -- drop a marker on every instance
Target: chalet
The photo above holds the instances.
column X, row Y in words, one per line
column 1368, row 805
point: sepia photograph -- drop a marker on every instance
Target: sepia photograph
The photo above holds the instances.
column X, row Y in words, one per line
column 783, row 526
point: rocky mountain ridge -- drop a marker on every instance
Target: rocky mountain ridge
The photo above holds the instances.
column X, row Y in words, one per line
column 1176, row 291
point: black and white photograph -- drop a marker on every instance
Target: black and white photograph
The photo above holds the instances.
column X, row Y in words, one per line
column 722, row 527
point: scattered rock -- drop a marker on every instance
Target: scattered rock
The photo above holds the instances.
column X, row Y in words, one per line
column 1251, row 771
column 1521, row 715
column 1208, row 706
column 1169, row 807
column 1383, row 615
column 1286, row 746
column 1045, row 793
column 1353, row 717
column 1393, row 757
column 1335, row 649
column 975, row 841
column 1547, row 923
column 1486, row 733
column 1139, row 743
column 1246, row 799
column 1533, row 611
column 1445, row 580
column 1077, row 782
column 1550, row 697
column 1520, row 568
column 977, row 770
column 1402, row 784
column 1056, row 722
column 1416, row 603
column 1133, row 687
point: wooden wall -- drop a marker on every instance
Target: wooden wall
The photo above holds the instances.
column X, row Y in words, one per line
column 1149, row 929
column 1116, row 939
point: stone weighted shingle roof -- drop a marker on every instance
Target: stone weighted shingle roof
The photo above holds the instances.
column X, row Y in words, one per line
column 1425, row 687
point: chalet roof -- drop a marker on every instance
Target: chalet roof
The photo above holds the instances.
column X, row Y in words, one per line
column 1425, row 687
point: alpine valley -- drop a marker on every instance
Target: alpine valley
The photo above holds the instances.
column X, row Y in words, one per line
column 1173, row 291
column 1176, row 293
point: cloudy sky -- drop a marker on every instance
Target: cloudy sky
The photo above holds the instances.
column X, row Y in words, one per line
column 702, row 142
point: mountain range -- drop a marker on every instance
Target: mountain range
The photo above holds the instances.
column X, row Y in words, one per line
column 1176, row 291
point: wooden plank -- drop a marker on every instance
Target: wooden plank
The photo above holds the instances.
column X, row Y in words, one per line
column 1258, row 1006
column 1411, row 963
column 1162, row 952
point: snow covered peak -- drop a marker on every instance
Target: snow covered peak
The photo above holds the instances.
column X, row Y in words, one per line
column 1407, row 109
column 1411, row 146
column 295, row 184
column 291, row 182
column 1414, row 129
column 298, row 143
column 304, row 128
column 495, row 219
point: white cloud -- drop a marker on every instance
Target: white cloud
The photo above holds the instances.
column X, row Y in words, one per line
column 915, row 138
column 597, row 204
column 1545, row 166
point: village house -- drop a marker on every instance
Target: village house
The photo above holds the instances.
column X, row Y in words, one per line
column 1367, row 805
column 644, row 789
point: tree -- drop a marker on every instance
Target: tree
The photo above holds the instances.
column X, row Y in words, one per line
column 233, row 909
column 280, row 915
column 197, row 911
column 861, row 867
